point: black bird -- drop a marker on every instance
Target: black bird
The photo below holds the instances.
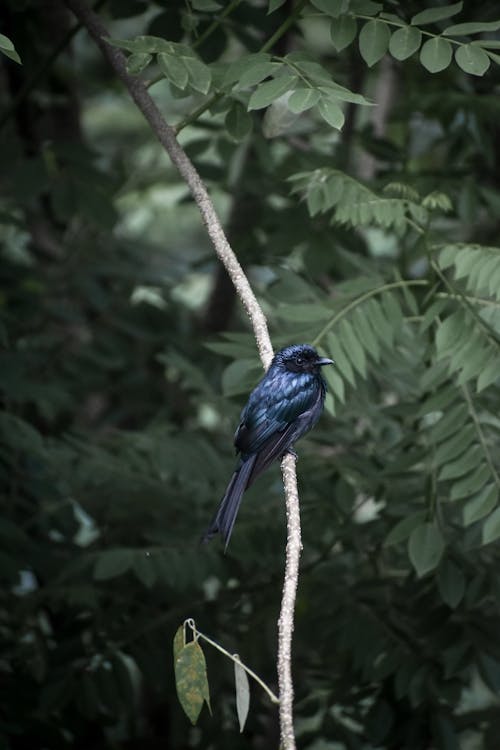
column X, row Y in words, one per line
column 284, row 405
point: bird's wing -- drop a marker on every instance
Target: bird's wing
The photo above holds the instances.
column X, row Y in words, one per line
column 272, row 444
column 271, row 410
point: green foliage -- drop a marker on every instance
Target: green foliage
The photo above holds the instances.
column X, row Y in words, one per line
column 7, row 48
column 371, row 232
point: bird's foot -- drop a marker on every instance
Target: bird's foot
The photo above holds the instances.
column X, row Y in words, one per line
column 292, row 453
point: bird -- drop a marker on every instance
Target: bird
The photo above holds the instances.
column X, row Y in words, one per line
column 285, row 404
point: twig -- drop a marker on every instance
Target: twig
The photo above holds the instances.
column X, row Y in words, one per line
column 179, row 158
column 234, row 657
column 286, row 620
column 166, row 135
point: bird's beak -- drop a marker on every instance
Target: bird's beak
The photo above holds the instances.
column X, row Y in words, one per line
column 324, row 361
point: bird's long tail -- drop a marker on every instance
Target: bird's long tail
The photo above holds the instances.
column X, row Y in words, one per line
column 224, row 519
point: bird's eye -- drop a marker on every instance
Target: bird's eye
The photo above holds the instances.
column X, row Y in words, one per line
column 299, row 361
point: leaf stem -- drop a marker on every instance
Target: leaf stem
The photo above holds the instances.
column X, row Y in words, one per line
column 234, row 657
column 359, row 300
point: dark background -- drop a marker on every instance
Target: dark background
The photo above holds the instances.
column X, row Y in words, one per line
column 126, row 358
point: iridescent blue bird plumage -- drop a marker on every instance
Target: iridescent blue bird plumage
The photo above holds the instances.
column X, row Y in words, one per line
column 284, row 405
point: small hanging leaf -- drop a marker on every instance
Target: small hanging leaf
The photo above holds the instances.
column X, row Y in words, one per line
column 191, row 680
column 331, row 112
column 436, row 54
column 343, row 31
column 242, row 693
column 472, row 59
column 425, row 547
column 179, row 641
column 404, row 42
column 303, row 99
column 374, row 41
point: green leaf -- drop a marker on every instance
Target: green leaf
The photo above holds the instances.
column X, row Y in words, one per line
column 179, row 641
column 335, row 383
column 331, row 112
column 242, row 694
column 451, row 421
column 256, row 72
column 365, row 7
column 200, row 76
column 343, row 31
column 404, row 42
column 489, row 374
column 267, row 92
column 491, row 527
column 480, row 505
column 374, row 41
column 471, row 483
column 450, row 333
column 451, row 583
column 431, row 15
column 238, row 122
column 332, row 8
column 8, row 49
column 425, row 547
column 472, row 27
column 152, row 44
column 352, row 347
column 137, row 62
column 274, row 5
column 361, row 323
column 341, row 360
column 436, row 54
column 334, row 91
column 303, row 99
column 112, row 563
column 191, row 680
column 472, row 59
column 463, row 465
column 455, row 446
column 402, row 530
column 173, row 69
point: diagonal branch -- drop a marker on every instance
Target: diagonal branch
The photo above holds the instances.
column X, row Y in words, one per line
column 166, row 135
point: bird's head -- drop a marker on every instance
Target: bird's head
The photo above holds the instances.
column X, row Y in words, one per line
column 300, row 358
